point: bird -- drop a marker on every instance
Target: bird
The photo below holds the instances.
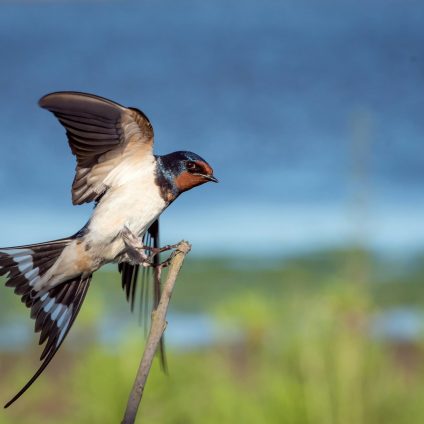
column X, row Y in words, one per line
column 130, row 187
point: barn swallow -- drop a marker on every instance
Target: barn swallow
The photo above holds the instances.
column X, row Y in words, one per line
column 131, row 187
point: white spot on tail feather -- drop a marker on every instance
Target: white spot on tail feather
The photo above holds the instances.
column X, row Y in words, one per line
column 64, row 317
column 57, row 311
column 65, row 327
column 48, row 306
column 22, row 257
column 32, row 276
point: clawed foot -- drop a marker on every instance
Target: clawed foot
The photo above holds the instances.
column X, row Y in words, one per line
column 135, row 250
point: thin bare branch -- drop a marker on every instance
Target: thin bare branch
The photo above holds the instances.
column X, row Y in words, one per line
column 157, row 327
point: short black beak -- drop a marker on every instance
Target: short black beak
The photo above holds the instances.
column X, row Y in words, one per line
column 211, row 178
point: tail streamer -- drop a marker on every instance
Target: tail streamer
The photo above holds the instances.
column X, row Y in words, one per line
column 54, row 311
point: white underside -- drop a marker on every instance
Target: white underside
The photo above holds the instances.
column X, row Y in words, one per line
column 133, row 201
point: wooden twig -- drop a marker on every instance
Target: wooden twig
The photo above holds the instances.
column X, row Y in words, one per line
column 157, row 327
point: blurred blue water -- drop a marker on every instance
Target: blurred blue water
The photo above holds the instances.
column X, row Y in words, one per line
column 402, row 324
column 184, row 331
column 191, row 331
column 310, row 113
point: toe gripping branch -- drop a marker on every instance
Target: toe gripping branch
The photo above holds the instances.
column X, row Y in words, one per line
column 135, row 250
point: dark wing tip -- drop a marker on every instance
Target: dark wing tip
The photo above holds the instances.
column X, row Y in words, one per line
column 81, row 104
column 89, row 105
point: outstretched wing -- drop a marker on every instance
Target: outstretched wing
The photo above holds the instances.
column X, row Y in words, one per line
column 130, row 281
column 102, row 135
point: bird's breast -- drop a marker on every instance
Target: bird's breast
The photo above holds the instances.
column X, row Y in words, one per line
column 136, row 205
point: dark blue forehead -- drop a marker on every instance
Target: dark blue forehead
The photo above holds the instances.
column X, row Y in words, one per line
column 184, row 155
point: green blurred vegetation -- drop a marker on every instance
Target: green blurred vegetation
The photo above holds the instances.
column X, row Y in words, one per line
column 301, row 350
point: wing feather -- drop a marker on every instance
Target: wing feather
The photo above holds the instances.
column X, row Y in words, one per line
column 96, row 127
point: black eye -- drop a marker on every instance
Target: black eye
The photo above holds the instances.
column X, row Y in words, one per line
column 191, row 166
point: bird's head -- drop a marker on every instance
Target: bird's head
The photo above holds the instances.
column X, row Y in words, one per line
column 186, row 170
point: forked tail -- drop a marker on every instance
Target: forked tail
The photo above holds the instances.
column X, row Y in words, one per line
column 54, row 311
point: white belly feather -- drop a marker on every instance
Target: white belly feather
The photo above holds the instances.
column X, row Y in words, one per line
column 133, row 200
column 134, row 203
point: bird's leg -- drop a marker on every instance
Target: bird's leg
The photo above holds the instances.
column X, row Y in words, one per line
column 156, row 250
column 135, row 248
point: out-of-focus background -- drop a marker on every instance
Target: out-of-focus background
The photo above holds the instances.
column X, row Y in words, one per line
column 302, row 299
